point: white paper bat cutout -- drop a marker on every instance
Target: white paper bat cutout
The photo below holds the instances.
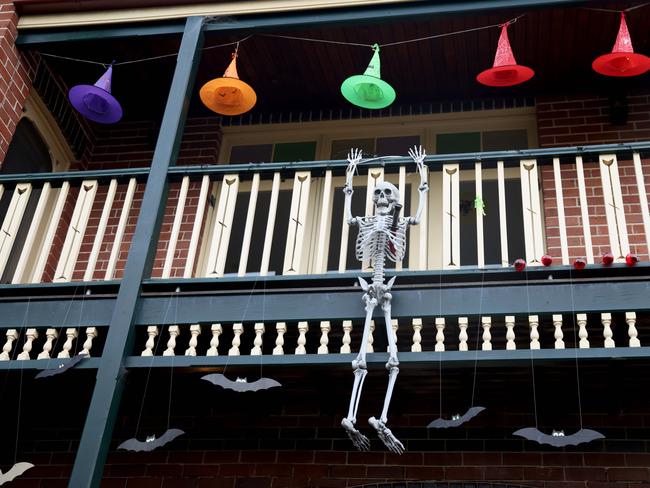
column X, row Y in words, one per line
column 456, row 420
column 15, row 471
column 558, row 439
column 240, row 384
column 151, row 442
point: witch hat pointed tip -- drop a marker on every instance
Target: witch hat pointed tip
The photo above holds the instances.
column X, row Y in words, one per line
column 504, row 55
column 623, row 43
column 374, row 67
column 104, row 82
column 231, row 70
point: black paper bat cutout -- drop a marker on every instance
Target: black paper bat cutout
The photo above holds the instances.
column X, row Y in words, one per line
column 151, row 442
column 456, row 420
column 558, row 439
column 63, row 366
column 240, row 384
column 15, row 471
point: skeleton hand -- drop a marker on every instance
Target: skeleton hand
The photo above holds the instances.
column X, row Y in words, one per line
column 418, row 154
column 354, row 158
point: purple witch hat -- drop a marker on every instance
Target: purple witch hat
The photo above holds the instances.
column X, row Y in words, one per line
column 95, row 102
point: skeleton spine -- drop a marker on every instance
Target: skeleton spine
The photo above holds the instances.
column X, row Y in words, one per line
column 379, row 257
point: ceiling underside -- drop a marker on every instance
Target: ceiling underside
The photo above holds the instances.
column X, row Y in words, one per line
column 559, row 44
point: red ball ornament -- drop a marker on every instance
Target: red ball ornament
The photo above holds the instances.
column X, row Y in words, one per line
column 580, row 263
column 547, row 260
column 520, row 264
column 631, row 259
column 607, row 259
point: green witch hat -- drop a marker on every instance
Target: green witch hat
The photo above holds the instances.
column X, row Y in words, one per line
column 369, row 90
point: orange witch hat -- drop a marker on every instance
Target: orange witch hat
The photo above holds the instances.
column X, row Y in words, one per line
column 622, row 61
column 505, row 71
column 228, row 95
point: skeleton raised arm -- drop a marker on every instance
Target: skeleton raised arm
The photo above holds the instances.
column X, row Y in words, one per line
column 418, row 154
column 354, row 158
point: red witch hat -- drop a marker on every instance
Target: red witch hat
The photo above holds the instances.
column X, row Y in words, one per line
column 622, row 61
column 505, row 71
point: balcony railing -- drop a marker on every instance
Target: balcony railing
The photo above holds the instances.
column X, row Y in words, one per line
column 483, row 210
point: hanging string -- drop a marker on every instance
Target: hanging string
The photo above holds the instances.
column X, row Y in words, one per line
column 612, row 11
column 171, row 371
column 141, row 60
column 478, row 332
column 295, row 38
column 575, row 346
column 532, row 360
column 20, row 384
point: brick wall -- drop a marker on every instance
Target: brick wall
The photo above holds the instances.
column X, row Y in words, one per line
column 577, row 121
column 15, row 76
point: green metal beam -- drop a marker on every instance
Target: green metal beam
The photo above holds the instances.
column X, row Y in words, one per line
column 89, row 463
column 251, row 23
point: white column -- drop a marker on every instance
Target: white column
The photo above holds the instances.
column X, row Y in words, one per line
column 533, row 323
column 216, row 330
column 195, row 330
column 12, row 335
column 152, row 333
column 30, row 336
column 606, row 320
column 281, row 328
column 462, row 336
column 71, row 335
column 258, row 341
column 303, row 327
column 347, row 339
column 324, row 340
column 486, row 323
column 440, row 334
column 91, row 334
column 510, row 333
column 630, row 318
column 557, row 323
column 174, row 331
column 582, row 330
column 51, row 335
column 237, row 330
column 417, row 337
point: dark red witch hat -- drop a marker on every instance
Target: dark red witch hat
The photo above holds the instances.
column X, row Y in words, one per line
column 622, row 61
column 505, row 71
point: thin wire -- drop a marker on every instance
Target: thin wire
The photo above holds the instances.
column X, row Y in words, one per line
column 171, row 372
column 20, row 384
column 612, row 11
column 532, row 360
column 575, row 346
column 141, row 60
column 322, row 41
column 478, row 332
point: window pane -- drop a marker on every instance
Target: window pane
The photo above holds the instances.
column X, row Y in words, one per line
column 505, row 140
column 27, row 152
column 458, row 143
column 257, row 153
column 341, row 148
column 295, row 151
column 396, row 146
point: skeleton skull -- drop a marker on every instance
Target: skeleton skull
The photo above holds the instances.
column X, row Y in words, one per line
column 385, row 197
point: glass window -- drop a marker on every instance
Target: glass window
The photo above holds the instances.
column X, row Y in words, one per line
column 27, row 152
column 461, row 142
column 294, row 151
column 505, row 140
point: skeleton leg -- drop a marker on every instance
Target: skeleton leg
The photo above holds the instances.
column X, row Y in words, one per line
column 359, row 366
column 385, row 434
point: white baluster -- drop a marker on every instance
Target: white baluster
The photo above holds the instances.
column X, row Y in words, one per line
column 12, row 335
column 371, row 339
column 71, row 335
column 462, row 336
column 324, row 339
column 152, row 333
column 281, row 328
column 557, row 323
column 195, row 331
column 440, row 334
column 237, row 330
column 174, row 331
column 91, row 333
column 30, row 335
column 417, row 336
column 533, row 323
column 510, row 333
column 303, row 327
column 347, row 339
column 582, row 330
column 486, row 323
column 630, row 318
column 51, row 335
column 606, row 319
column 258, row 341
column 214, row 342
column 395, row 326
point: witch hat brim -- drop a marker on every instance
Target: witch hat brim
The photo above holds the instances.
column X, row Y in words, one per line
column 228, row 96
column 505, row 75
column 367, row 91
column 621, row 64
column 95, row 104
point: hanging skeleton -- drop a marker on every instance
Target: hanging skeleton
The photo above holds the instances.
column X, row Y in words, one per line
column 381, row 236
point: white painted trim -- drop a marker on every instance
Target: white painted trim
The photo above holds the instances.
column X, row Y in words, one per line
column 643, row 197
column 584, row 210
column 614, row 209
column 32, row 234
column 248, row 229
column 450, row 216
column 324, row 225
column 270, row 225
column 532, row 211
column 297, row 223
column 222, row 225
column 480, row 251
column 561, row 219
column 196, row 228
column 12, row 220
column 53, row 224
column 119, row 233
column 101, row 230
column 503, row 221
column 176, row 227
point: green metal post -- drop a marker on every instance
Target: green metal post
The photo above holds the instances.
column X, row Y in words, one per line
column 97, row 433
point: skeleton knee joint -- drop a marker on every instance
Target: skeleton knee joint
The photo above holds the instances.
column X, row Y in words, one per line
column 392, row 364
column 359, row 364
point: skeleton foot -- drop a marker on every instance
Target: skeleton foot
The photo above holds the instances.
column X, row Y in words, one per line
column 359, row 440
column 390, row 441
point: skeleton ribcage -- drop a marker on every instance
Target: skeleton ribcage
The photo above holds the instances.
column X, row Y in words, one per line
column 370, row 244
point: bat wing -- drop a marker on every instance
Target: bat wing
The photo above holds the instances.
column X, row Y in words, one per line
column 15, row 471
column 579, row 437
column 220, row 380
column 62, row 367
column 135, row 445
column 441, row 423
